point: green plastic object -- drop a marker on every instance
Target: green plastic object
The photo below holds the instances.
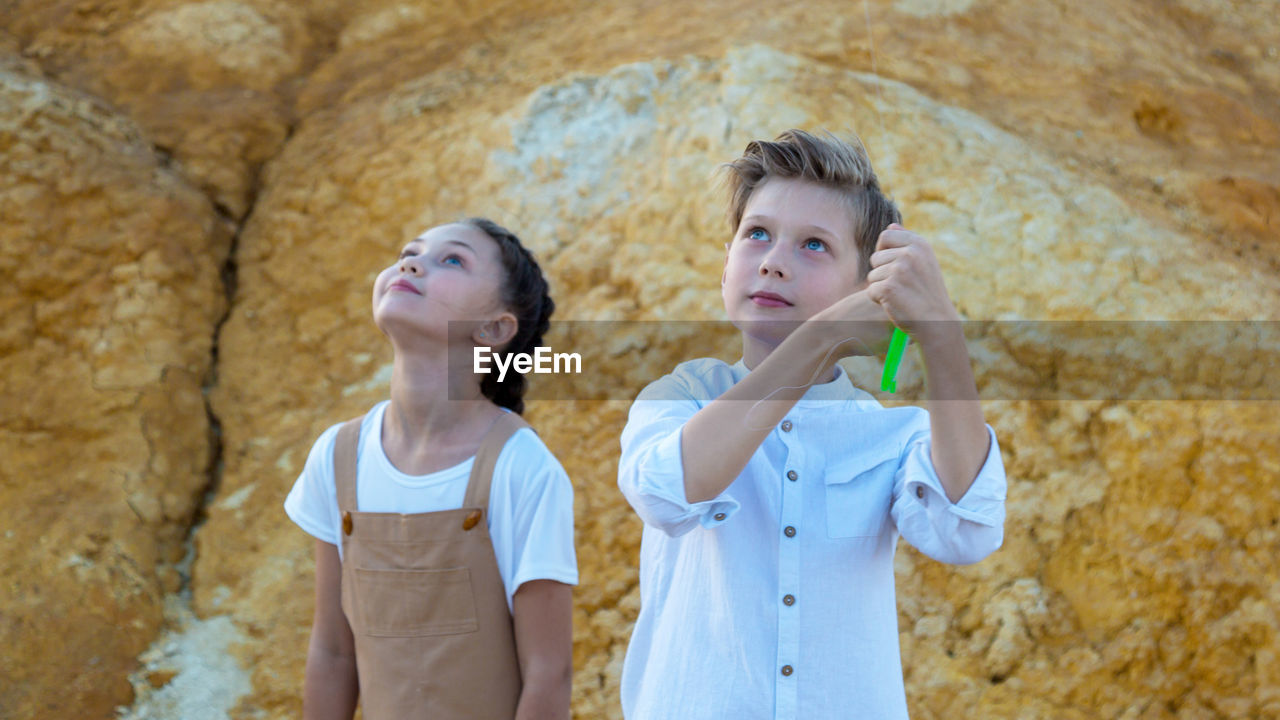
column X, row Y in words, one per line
column 897, row 346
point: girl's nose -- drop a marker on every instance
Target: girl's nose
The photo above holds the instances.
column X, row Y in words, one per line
column 411, row 266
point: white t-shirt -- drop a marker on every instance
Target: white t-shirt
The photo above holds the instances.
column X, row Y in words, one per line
column 530, row 500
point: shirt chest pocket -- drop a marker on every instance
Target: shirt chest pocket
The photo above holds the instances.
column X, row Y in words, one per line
column 414, row 603
column 858, row 494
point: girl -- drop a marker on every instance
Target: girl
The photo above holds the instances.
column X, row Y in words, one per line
column 444, row 527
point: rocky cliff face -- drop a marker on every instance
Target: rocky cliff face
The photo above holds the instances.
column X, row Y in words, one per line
column 1069, row 162
column 111, row 262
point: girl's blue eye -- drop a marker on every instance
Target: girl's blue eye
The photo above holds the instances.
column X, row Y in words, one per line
column 814, row 244
column 758, row 234
column 453, row 259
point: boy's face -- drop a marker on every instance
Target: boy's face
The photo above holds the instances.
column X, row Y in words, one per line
column 793, row 254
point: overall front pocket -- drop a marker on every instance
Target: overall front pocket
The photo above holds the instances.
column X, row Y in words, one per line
column 414, row 603
column 858, row 502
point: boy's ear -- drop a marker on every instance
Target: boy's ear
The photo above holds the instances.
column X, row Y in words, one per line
column 497, row 331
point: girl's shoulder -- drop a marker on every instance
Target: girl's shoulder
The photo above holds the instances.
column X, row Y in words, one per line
column 526, row 461
column 526, row 445
column 321, row 455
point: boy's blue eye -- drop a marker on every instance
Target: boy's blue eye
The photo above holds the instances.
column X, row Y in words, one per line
column 814, row 244
column 758, row 234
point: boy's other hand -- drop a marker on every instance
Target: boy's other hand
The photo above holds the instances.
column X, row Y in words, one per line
column 906, row 281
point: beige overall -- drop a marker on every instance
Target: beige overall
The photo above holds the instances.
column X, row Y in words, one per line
column 425, row 599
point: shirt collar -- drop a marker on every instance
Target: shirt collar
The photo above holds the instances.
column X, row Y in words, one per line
column 840, row 389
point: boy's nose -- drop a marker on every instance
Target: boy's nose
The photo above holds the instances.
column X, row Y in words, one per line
column 771, row 266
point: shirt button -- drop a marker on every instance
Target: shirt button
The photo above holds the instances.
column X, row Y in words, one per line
column 789, row 531
column 719, row 516
column 792, row 475
column 786, row 671
column 786, row 426
column 920, row 491
column 788, row 600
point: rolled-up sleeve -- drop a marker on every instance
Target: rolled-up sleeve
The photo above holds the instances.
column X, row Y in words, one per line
column 959, row 533
column 651, row 470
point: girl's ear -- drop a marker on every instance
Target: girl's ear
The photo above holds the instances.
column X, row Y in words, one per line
column 497, row 331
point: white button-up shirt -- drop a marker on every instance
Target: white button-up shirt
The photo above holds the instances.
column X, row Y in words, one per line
column 775, row 599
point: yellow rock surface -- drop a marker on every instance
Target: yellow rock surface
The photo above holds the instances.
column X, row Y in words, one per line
column 208, row 82
column 1070, row 162
column 110, row 263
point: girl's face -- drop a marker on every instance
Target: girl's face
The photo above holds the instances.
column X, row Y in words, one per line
column 449, row 273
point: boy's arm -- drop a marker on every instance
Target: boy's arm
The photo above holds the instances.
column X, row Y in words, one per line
column 718, row 441
column 960, row 442
column 330, row 689
column 542, row 613
column 650, row 468
column 907, row 282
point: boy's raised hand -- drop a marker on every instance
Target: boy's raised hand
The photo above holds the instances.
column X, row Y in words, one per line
column 906, row 281
column 857, row 324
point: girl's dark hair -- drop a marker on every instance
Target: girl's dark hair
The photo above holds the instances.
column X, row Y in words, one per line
column 525, row 293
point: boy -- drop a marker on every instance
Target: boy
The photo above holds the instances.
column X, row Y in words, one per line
column 771, row 504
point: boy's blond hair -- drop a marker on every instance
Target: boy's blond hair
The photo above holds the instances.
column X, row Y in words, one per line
column 827, row 161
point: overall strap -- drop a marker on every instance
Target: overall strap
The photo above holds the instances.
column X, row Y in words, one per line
column 345, row 453
column 487, row 457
